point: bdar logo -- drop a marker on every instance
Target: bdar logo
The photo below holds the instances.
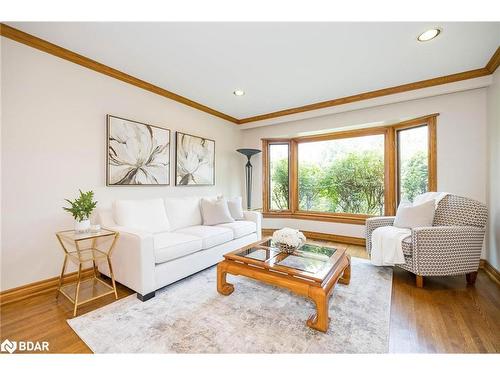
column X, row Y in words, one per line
column 8, row 346
column 24, row 346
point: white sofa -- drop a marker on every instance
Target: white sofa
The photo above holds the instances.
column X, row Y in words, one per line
column 163, row 240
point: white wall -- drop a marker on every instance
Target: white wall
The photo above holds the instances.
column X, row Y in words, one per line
column 461, row 149
column 493, row 248
column 53, row 143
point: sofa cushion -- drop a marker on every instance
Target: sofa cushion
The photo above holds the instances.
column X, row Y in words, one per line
column 235, row 206
column 183, row 212
column 210, row 236
column 171, row 245
column 147, row 215
column 215, row 211
column 420, row 215
column 240, row 228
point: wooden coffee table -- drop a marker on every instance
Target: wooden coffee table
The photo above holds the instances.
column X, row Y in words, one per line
column 311, row 271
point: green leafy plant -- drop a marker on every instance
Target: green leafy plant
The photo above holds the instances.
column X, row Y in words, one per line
column 415, row 176
column 352, row 183
column 82, row 207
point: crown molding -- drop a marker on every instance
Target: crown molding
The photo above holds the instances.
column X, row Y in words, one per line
column 63, row 53
column 53, row 49
column 428, row 92
column 494, row 62
column 488, row 69
column 371, row 95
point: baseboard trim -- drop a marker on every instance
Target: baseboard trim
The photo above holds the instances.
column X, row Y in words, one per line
column 39, row 287
column 267, row 232
column 325, row 237
column 491, row 271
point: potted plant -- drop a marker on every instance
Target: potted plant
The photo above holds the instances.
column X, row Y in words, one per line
column 81, row 209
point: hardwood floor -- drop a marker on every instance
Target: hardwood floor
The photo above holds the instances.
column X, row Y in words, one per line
column 43, row 318
column 445, row 316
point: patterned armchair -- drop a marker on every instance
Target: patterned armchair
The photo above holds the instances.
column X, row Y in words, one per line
column 452, row 246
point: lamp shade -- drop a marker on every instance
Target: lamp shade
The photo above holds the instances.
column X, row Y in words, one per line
column 248, row 152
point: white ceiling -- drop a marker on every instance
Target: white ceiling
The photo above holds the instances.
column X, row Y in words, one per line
column 279, row 65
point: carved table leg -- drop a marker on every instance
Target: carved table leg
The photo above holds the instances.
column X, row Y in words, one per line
column 346, row 276
column 223, row 287
column 320, row 320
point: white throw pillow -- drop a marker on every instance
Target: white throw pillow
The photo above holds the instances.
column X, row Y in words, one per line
column 148, row 215
column 183, row 212
column 420, row 215
column 215, row 211
column 236, row 208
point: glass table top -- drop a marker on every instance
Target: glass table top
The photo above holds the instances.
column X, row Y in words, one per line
column 79, row 236
column 259, row 253
column 90, row 289
column 319, row 252
column 310, row 260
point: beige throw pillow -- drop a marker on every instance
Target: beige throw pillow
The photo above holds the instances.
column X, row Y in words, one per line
column 421, row 215
column 215, row 211
column 236, row 208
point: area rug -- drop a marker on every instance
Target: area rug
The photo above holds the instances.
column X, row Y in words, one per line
column 191, row 317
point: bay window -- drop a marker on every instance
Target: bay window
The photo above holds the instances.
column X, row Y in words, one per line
column 348, row 176
column 342, row 175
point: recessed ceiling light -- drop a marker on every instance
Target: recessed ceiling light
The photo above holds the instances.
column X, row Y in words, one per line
column 239, row 92
column 428, row 35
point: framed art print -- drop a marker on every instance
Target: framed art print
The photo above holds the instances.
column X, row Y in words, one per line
column 194, row 160
column 137, row 153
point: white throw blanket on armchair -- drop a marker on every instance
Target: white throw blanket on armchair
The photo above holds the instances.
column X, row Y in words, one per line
column 386, row 247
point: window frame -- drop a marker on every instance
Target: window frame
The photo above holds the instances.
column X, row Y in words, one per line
column 390, row 169
column 431, row 152
column 266, row 178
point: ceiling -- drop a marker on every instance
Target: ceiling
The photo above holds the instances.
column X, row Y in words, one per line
column 278, row 65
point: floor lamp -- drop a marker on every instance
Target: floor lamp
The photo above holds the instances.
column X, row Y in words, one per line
column 248, row 152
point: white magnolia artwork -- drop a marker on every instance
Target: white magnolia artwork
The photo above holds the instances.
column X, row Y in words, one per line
column 195, row 160
column 138, row 154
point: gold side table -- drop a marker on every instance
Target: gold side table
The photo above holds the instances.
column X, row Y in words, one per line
column 94, row 287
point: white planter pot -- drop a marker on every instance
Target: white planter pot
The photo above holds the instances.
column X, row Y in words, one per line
column 82, row 226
